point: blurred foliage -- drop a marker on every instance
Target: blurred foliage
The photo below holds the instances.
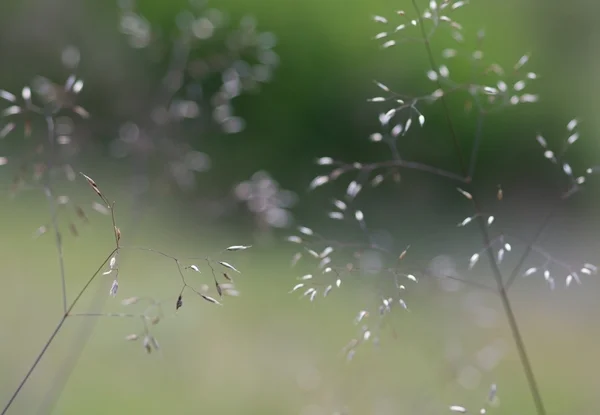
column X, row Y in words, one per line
column 267, row 353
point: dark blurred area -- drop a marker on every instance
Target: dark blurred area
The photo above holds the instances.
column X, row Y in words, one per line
column 312, row 101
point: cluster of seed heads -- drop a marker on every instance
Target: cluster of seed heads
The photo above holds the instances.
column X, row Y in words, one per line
column 501, row 247
column 223, row 282
column 576, row 181
column 328, row 274
column 489, row 87
column 54, row 104
column 154, row 312
column 244, row 61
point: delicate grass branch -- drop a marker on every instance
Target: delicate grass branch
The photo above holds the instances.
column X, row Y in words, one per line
column 506, row 304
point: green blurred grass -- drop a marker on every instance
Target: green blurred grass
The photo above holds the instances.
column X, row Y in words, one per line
column 265, row 352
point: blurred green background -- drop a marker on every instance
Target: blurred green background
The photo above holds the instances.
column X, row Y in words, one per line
column 267, row 351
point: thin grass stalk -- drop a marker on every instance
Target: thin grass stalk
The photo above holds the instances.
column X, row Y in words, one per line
column 497, row 274
column 53, row 336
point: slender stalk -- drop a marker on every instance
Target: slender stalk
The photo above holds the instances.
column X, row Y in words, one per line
column 54, row 211
column 53, row 336
column 497, row 274
column 34, row 365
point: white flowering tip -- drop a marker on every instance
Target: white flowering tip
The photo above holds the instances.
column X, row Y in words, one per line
column 336, row 215
column 359, row 216
column 327, row 251
column 210, row 299
column 473, row 260
column 444, row 71
column 238, row 247
column 194, row 267
column 324, row 161
column 12, row 110
column 411, row 277
column 569, row 280
column 312, row 252
column 490, row 90
column 7, row 129
column 7, row 96
column 380, row 19
column 388, row 44
column 339, row 204
column 78, row 86
column 294, row 239
column 229, row 266
column 377, row 180
column 318, row 181
column 465, row 193
column 361, row 316
column 408, row 124
column 296, row 287
column 382, row 86
column 519, row 86
column 421, row 119
column 305, row 230
column 376, row 137
column 500, row 255
column 567, row 169
column 353, row 189
column 308, row 292
column 490, row 220
column 432, row 75
column 114, row 288
column 397, row 130
column 572, row 124
column 572, row 138
column 26, row 93
column 325, row 261
column 438, row 93
column 458, row 409
column 508, row 247
column 541, row 140
column 530, row 271
column 522, row 61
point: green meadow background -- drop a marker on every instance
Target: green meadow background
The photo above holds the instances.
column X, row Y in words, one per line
column 268, row 351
